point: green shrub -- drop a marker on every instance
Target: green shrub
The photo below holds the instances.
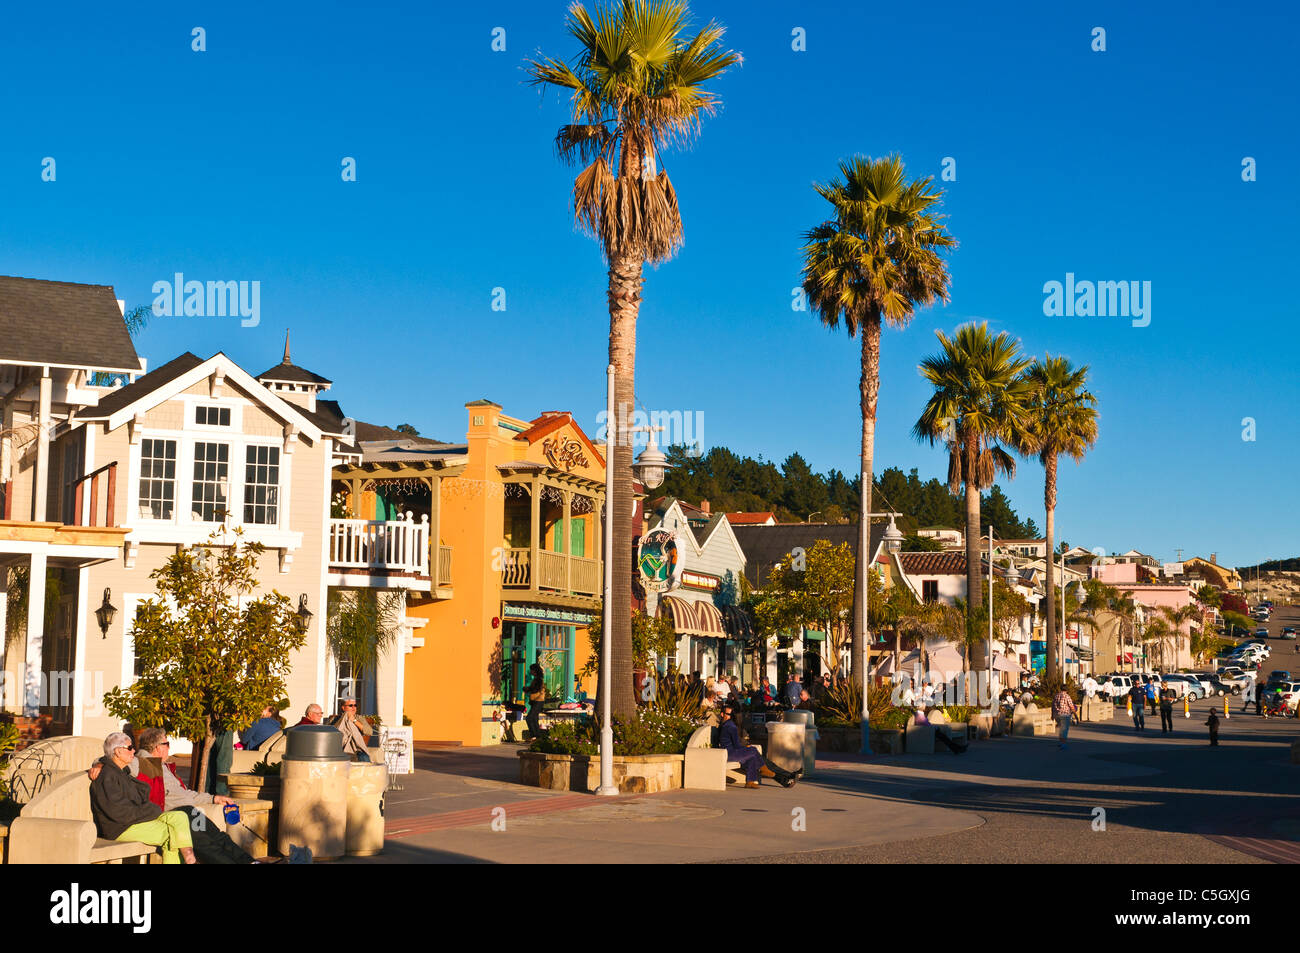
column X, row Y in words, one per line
column 891, row 718
column 9, row 736
column 651, row 732
column 262, row 769
column 569, row 738
column 960, row 712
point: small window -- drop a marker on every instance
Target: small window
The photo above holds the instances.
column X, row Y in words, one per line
column 930, row 590
column 212, row 416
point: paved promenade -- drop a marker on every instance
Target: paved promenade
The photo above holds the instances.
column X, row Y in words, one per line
column 1167, row 799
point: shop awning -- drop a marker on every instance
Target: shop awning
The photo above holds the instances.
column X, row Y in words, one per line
column 737, row 623
column 708, row 621
column 679, row 611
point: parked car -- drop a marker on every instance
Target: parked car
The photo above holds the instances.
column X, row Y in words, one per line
column 1209, row 683
column 1181, row 685
column 1234, row 680
column 1287, row 693
column 1115, row 686
column 1279, row 675
column 1288, row 632
column 1261, row 633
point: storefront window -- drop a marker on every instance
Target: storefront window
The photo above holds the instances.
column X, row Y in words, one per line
column 553, row 654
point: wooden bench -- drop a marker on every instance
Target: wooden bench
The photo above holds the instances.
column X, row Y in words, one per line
column 56, row 827
column 706, row 768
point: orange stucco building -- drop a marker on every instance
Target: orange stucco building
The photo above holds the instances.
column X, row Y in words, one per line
column 523, row 520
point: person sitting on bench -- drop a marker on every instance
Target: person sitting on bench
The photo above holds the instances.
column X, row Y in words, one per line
column 753, row 762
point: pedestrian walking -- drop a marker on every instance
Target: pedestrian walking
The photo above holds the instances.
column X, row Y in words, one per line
column 1167, row 712
column 535, row 691
column 1138, row 700
column 1151, row 693
column 1063, row 709
column 1213, row 722
column 1248, row 696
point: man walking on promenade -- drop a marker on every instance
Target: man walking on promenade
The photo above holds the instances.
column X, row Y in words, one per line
column 1063, row 709
column 1138, row 700
column 1167, row 712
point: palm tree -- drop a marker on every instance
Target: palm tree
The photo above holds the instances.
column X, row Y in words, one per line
column 979, row 404
column 1062, row 420
column 876, row 260
column 636, row 85
column 1172, row 630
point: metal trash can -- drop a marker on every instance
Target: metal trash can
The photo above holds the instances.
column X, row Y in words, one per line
column 808, row 720
column 785, row 740
column 314, row 776
column 366, row 786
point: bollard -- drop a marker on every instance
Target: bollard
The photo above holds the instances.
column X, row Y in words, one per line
column 1226, row 713
column 1187, row 711
column 1129, row 710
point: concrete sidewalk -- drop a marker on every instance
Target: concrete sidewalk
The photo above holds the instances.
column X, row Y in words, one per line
column 448, row 808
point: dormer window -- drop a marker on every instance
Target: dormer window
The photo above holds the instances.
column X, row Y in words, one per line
column 209, row 416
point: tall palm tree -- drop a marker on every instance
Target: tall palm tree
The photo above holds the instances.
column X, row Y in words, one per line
column 636, row 85
column 979, row 404
column 1174, row 620
column 1062, row 420
column 876, row 260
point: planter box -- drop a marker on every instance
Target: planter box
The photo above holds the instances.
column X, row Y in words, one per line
column 633, row 774
column 258, row 787
column 885, row 740
column 839, row 738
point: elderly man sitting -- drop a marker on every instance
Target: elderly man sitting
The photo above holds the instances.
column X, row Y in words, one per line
column 166, row 789
column 122, row 810
column 356, row 731
column 312, row 716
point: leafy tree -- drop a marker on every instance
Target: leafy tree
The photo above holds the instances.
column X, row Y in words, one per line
column 210, row 655
column 652, row 637
column 1062, row 420
column 1209, row 597
column 979, row 404
column 407, row 429
column 921, row 544
column 1231, row 602
column 361, row 624
column 636, row 85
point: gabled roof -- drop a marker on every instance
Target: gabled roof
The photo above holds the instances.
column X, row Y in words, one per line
column 751, row 519
column 933, row 564
column 366, row 432
column 183, row 372
column 702, row 533
column 62, row 324
column 291, row 374
column 552, row 421
column 765, row 546
column 114, row 401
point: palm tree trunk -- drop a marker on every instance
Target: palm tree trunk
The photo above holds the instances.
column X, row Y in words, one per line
column 1049, row 500
column 625, row 282
column 974, row 585
column 869, row 386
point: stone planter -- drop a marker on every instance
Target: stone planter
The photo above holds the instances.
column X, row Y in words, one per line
column 839, row 738
column 885, row 740
column 260, row 787
column 633, row 774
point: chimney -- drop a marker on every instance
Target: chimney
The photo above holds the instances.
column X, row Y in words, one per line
column 1214, row 559
column 704, row 507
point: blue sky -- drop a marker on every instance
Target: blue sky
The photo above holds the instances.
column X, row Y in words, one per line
column 1115, row 165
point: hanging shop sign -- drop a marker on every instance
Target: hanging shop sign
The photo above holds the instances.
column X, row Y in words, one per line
column 699, row 580
column 544, row 613
column 658, row 561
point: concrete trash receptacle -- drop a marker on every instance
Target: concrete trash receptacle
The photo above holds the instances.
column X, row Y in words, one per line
column 809, row 722
column 366, row 786
column 314, row 792
column 785, row 742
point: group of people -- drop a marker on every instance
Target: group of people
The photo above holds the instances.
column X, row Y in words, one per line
column 136, row 794
column 718, row 691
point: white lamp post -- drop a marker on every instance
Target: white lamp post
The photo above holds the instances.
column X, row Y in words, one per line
column 893, row 540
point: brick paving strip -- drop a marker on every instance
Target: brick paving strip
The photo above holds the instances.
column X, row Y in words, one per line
column 472, row 817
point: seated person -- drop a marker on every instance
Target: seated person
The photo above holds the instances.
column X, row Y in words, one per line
column 168, row 791
column 356, row 730
column 805, row 701
column 260, row 730
column 314, row 715
column 753, row 762
column 123, row 812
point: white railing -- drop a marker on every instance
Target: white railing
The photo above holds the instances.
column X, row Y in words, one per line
column 383, row 545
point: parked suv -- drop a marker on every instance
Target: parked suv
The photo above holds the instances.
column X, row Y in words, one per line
column 1115, row 686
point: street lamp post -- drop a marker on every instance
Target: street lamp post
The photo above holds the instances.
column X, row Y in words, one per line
column 649, row 468
column 893, row 540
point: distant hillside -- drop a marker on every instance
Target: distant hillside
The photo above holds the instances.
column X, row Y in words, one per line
column 794, row 492
column 1273, row 565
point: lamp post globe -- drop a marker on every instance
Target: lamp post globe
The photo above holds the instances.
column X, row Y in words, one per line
column 651, row 465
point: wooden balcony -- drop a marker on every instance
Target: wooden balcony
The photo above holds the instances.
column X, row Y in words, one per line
column 109, row 473
column 555, row 572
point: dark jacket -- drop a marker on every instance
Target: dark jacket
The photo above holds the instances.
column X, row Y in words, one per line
column 258, row 732
column 118, row 801
column 729, row 736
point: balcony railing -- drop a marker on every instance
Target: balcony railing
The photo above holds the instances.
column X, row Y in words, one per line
column 109, row 473
column 556, row 572
column 385, row 546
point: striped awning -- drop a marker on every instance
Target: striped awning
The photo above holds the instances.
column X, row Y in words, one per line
column 679, row 611
column 737, row 623
column 708, row 620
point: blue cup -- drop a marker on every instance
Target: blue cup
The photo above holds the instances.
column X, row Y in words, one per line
column 232, row 813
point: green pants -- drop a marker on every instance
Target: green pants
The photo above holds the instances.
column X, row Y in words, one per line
column 170, row 831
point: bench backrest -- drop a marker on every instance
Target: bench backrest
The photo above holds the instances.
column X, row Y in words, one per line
column 67, row 799
column 701, row 737
column 38, row 766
